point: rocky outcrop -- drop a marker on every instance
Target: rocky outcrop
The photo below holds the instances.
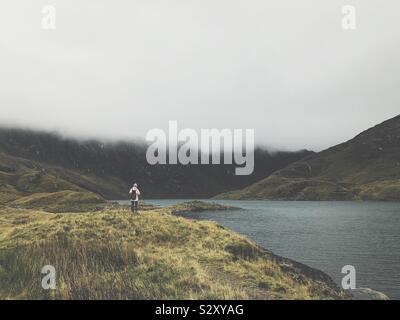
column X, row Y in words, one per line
column 368, row 294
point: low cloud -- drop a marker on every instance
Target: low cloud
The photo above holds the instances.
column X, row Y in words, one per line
column 116, row 69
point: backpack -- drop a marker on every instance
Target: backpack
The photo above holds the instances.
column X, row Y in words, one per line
column 133, row 195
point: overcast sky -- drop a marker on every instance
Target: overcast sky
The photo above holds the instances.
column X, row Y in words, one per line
column 117, row 68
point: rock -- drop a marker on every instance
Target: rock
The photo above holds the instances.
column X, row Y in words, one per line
column 368, row 294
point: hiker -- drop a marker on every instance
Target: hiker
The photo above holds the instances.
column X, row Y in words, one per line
column 135, row 193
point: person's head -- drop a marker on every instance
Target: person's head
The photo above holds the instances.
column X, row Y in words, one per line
column 135, row 185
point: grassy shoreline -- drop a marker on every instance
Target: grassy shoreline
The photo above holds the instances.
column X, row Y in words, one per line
column 112, row 254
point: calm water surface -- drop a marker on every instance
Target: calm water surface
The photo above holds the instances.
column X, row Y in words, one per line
column 323, row 235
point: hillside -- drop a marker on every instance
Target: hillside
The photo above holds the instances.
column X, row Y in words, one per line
column 111, row 254
column 21, row 178
column 366, row 167
column 119, row 164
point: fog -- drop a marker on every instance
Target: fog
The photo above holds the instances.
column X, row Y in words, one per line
column 116, row 69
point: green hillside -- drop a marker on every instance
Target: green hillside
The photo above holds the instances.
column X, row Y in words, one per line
column 366, row 167
column 20, row 178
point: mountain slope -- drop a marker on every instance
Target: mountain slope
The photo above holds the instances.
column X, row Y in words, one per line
column 21, row 178
column 120, row 164
column 366, row 167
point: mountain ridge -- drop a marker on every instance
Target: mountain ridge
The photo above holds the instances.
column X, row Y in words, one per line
column 111, row 168
column 366, row 167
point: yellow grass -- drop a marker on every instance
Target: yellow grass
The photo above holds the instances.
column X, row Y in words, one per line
column 112, row 254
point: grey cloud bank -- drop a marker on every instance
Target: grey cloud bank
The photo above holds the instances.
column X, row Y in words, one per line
column 116, row 69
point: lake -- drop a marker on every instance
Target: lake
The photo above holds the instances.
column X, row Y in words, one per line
column 325, row 235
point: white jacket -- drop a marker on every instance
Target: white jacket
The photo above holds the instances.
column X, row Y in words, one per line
column 137, row 193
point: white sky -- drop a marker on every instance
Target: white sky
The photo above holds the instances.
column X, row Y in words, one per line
column 117, row 68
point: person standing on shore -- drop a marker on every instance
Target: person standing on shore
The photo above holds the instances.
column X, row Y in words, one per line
column 135, row 193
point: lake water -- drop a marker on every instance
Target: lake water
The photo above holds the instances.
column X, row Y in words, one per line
column 323, row 235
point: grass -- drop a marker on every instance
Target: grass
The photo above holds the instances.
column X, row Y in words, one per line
column 62, row 201
column 198, row 206
column 276, row 187
column 20, row 177
column 113, row 254
column 377, row 190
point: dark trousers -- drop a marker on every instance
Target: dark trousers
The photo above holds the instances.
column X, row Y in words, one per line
column 134, row 206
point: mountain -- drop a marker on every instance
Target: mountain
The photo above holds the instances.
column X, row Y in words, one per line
column 366, row 167
column 109, row 169
column 23, row 181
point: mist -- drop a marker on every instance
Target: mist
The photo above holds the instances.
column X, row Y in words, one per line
column 114, row 70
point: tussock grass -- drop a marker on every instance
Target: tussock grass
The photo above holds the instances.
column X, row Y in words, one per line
column 113, row 254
